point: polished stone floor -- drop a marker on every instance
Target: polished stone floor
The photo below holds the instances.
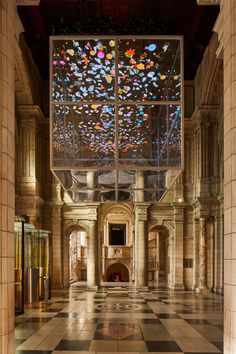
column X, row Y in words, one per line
column 114, row 320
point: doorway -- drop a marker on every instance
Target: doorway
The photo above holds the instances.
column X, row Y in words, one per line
column 159, row 256
column 78, row 256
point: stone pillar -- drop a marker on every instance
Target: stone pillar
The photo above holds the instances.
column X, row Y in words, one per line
column 92, row 250
column 7, row 174
column 90, row 185
column 139, row 194
column 56, row 259
column 141, row 247
column 227, row 37
column 204, row 161
column 202, row 282
column 177, row 281
column 195, row 253
column 218, row 256
column 28, row 165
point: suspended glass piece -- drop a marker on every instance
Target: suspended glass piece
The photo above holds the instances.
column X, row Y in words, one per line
column 116, row 116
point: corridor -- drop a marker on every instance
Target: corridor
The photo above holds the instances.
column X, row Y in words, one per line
column 114, row 320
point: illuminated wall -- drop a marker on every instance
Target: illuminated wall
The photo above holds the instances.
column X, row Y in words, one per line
column 116, row 108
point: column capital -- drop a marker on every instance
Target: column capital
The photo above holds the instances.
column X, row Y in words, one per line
column 30, row 206
column 92, row 212
column 141, row 211
column 202, row 208
column 179, row 210
column 204, row 114
column 30, row 115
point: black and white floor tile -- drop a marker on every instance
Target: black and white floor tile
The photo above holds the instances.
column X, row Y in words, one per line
column 123, row 320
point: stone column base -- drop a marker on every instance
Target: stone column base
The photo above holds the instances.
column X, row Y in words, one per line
column 178, row 287
column 218, row 290
column 92, row 287
column 203, row 291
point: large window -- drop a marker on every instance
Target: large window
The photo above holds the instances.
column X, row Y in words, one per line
column 116, row 108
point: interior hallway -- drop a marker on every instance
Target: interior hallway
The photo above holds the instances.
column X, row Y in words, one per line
column 122, row 320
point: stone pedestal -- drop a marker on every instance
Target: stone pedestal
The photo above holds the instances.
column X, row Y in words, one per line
column 141, row 248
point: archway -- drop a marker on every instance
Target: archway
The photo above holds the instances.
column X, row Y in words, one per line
column 117, row 238
column 78, row 255
column 159, row 256
column 117, row 272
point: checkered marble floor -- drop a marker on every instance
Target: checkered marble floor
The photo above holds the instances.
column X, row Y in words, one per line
column 114, row 320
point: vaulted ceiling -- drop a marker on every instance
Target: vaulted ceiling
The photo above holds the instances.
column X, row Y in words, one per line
column 182, row 17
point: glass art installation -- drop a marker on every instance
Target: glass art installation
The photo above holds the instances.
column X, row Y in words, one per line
column 116, row 116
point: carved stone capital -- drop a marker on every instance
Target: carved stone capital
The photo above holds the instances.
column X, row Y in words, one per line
column 92, row 212
column 201, row 208
column 141, row 211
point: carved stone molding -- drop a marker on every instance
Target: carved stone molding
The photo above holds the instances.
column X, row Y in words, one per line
column 30, row 114
column 118, row 211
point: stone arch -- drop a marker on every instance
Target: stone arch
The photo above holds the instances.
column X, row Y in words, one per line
column 109, row 208
column 80, row 226
column 164, row 226
column 119, row 269
column 116, row 214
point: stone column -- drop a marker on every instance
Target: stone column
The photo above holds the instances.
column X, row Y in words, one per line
column 141, row 247
column 178, row 252
column 218, row 255
column 195, row 253
column 90, row 185
column 227, row 36
column 92, row 251
column 139, row 194
column 202, row 283
column 56, row 259
column 7, row 174
column 204, row 161
column 29, row 179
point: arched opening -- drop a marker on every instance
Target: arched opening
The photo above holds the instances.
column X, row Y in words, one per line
column 159, row 256
column 116, row 236
column 117, row 272
column 78, row 255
